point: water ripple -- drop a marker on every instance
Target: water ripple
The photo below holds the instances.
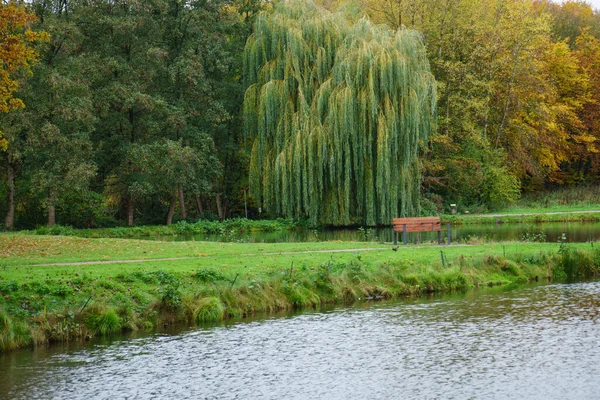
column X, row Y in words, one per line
column 538, row 343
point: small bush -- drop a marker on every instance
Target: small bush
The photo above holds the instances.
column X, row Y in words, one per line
column 532, row 235
column 102, row 321
column 209, row 275
column 166, row 278
column 12, row 334
column 56, row 230
column 8, row 287
column 575, row 264
column 511, row 268
column 209, row 309
column 62, row 291
column 170, row 296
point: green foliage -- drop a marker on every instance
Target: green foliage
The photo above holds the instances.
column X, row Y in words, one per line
column 7, row 287
column 128, row 105
column 136, row 93
column 586, row 196
column 514, row 99
column 103, row 321
column 56, row 230
column 500, row 187
column 209, row 309
column 237, row 225
column 129, row 296
column 170, row 295
column 532, row 235
column 13, row 335
column 479, row 176
column 336, row 112
column 367, row 234
column 575, row 264
column 210, row 275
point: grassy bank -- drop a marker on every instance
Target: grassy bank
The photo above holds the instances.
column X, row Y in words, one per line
column 222, row 228
column 199, row 281
column 530, row 217
column 568, row 204
column 584, row 196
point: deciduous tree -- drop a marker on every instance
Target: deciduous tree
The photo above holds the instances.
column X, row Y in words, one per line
column 337, row 112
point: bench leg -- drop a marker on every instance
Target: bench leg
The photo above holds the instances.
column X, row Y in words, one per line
column 439, row 237
column 404, row 235
column 395, row 238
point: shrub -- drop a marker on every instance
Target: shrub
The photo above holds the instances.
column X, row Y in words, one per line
column 103, row 321
column 12, row 334
column 56, row 230
column 209, row 309
column 209, row 275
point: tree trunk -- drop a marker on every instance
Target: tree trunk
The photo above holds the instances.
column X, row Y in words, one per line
column 182, row 202
column 219, row 207
column 199, row 204
column 51, row 208
column 9, row 222
column 172, row 208
column 129, row 210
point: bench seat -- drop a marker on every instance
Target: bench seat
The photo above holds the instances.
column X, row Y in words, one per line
column 421, row 224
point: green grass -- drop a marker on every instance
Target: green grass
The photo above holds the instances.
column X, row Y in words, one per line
column 224, row 228
column 584, row 196
column 532, row 217
column 222, row 280
column 570, row 203
column 553, row 209
column 103, row 321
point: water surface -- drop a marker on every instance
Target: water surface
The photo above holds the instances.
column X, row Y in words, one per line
column 528, row 343
column 545, row 232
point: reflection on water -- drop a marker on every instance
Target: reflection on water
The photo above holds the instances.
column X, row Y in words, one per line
column 535, row 342
column 551, row 232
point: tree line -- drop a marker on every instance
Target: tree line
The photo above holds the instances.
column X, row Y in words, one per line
column 133, row 110
column 518, row 104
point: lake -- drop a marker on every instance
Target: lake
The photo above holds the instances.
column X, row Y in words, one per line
column 532, row 342
column 549, row 232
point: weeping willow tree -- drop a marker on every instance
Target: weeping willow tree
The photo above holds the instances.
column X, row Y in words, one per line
column 336, row 112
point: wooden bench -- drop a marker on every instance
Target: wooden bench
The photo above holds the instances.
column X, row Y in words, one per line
column 423, row 224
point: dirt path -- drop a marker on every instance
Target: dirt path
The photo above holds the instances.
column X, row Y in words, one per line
column 69, row 264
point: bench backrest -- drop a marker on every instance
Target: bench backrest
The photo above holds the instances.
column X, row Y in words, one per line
column 422, row 224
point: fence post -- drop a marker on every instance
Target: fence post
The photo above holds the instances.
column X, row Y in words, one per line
column 449, row 239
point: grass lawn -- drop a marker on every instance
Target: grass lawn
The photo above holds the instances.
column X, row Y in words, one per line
column 193, row 282
column 525, row 217
column 20, row 253
column 553, row 209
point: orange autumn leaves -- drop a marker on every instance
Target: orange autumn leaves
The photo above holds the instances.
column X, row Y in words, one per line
column 17, row 53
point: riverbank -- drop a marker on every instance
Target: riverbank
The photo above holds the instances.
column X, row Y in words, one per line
column 225, row 228
column 131, row 284
column 240, row 229
column 524, row 217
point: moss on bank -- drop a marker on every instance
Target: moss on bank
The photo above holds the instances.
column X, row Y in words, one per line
column 77, row 305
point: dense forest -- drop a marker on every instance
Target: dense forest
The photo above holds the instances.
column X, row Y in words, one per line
column 146, row 112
